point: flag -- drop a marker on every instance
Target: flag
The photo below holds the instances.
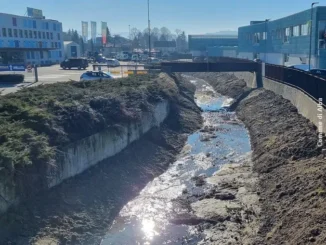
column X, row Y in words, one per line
column 104, row 27
column 93, row 31
column 85, row 30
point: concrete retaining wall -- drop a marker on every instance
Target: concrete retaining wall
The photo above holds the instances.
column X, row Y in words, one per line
column 306, row 106
column 89, row 151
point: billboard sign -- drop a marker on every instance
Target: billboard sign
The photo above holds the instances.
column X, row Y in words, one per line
column 35, row 13
column 93, row 31
column 85, row 30
column 104, row 27
column 13, row 67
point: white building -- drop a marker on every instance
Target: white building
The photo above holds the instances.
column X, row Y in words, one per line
column 27, row 40
column 71, row 49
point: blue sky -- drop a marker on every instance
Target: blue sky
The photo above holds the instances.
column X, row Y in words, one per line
column 192, row 16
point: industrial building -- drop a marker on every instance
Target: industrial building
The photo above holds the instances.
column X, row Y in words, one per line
column 30, row 39
column 212, row 45
column 286, row 41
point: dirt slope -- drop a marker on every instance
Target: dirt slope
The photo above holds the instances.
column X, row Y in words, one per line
column 291, row 168
column 80, row 210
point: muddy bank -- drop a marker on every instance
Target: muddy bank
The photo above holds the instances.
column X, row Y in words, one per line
column 291, row 168
column 80, row 210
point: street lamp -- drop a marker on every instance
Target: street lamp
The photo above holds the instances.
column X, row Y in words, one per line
column 312, row 5
column 149, row 32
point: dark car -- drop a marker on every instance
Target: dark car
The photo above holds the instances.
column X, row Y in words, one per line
column 318, row 72
column 74, row 63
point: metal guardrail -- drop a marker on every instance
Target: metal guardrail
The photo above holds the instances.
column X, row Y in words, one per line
column 313, row 86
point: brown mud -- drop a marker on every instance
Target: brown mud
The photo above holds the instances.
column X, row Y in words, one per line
column 291, row 169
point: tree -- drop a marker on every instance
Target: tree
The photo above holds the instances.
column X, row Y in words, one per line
column 165, row 34
column 181, row 41
column 82, row 46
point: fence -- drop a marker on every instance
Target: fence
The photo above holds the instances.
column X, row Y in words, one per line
column 312, row 85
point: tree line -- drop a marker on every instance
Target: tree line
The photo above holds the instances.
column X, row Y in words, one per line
column 138, row 39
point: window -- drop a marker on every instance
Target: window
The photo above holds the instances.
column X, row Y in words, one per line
column 58, row 36
column 33, row 54
column 286, row 57
column 56, row 44
column 60, row 54
column 52, row 44
column 304, row 29
column 35, row 34
column 47, row 25
column 39, row 35
column 14, row 21
column 256, row 37
column 291, row 31
column 54, row 27
column 21, row 33
column 286, row 35
column 15, row 33
column 59, row 45
column 26, row 33
column 41, row 54
column 34, row 24
column 49, row 54
column 264, row 36
column 43, row 35
column 47, row 36
column 9, row 32
column 30, row 34
column 51, row 35
column 296, row 31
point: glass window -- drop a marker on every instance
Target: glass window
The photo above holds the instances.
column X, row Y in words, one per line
column 41, row 54
column 33, row 54
column 56, row 44
column 286, row 35
column 58, row 36
column 15, row 33
column 35, row 34
column 60, row 54
column 43, row 35
column 39, row 35
column 9, row 32
column 304, row 29
column 47, row 36
column 51, row 35
column 14, row 21
column 34, row 24
column 26, row 33
column 21, row 33
column 30, row 34
column 4, row 32
column 296, row 31
column 264, row 35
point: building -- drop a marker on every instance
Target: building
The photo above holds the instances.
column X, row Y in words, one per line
column 224, row 51
column 165, row 46
column 29, row 40
column 71, row 49
column 199, row 44
column 286, row 41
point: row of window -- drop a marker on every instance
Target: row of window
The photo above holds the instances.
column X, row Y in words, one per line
column 30, row 44
column 8, row 32
column 40, row 54
column 284, row 33
column 33, row 24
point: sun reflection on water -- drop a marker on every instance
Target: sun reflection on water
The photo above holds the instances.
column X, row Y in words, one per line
column 148, row 227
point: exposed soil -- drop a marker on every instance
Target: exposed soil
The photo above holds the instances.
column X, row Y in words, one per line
column 290, row 166
column 80, row 210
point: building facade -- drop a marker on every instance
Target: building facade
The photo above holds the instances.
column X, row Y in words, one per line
column 286, row 41
column 27, row 40
column 199, row 44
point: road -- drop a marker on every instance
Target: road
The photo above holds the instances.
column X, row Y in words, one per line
column 53, row 74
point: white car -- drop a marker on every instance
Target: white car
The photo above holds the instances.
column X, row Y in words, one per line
column 112, row 62
column 95, row 75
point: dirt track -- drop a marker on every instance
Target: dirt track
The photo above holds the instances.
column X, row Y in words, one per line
column 290, row 166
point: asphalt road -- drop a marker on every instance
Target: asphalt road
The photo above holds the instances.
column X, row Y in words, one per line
column 53, row 74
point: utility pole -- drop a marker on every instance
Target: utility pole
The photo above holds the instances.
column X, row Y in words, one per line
column 149, row 32
column 312, row 5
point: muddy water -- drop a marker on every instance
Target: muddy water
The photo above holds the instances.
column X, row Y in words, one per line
column 149, row 219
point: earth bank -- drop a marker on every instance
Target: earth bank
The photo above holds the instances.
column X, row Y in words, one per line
column 291, row 168
column 80, row 210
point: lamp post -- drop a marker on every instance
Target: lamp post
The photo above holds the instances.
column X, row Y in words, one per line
column 312, row 5
column 149, row 32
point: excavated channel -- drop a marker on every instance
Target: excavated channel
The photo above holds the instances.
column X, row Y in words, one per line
column 152, row 217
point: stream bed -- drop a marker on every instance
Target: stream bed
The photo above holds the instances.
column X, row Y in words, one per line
column 149, row 218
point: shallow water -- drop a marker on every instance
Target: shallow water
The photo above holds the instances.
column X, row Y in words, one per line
column 147, row 218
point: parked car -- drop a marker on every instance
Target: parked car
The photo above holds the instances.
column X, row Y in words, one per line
column 79, row 63
column 95, row 75
column 152, row 63
column 318, row 72
column 135, row 58
column 112, row 62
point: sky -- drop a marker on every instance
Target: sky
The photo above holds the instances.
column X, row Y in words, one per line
column 191, row 16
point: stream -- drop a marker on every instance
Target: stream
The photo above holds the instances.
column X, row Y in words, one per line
column 148, row 218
